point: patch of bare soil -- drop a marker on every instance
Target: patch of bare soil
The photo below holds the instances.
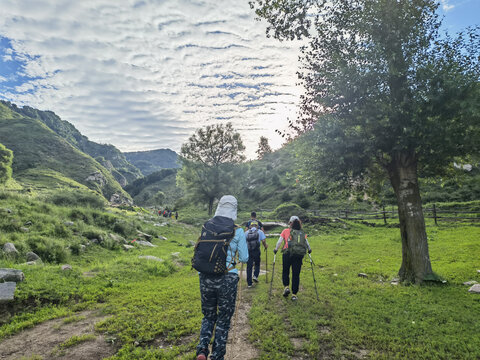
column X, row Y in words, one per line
column 43, row 340
column 238, row 346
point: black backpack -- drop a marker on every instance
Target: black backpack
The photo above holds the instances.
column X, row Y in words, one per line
column 252, row 239
column 210, row 252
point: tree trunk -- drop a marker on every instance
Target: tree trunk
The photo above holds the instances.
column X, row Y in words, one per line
column 416, row 266
column 210, row 205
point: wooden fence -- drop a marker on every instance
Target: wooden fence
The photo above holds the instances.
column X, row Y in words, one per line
column 391, row 213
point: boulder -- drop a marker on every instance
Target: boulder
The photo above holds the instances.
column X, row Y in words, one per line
column 69, row 223
column 175, row 255
column 66, row 267
column 475, row 289
column 363, row 275
column 162, row 237
column 97, row 177
column 119, row 199
column 145, row 243
column 11, row 275
column 150, row 257
column 146, row 236
column 24, row 229
column 7, row 291
column 470, row 283
column 31, row 256
column 10, row 249
column 128, row 247
column 28, row 223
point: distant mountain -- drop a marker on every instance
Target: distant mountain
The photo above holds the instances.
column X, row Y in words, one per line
column 44, row 159
column 107, row 155
column 154, row 160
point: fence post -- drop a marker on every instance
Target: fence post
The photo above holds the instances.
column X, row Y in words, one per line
column 435, row 214
column 384, row 215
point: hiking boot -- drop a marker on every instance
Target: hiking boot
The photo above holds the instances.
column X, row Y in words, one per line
column 249, row 286
column 286, row 292
column 201, row 356
column 294, row 297
column 255, row 279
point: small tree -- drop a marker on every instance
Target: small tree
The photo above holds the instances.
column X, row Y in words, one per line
column 6, row 159
column 207, row 158
column 383, row 91
column 263, row 147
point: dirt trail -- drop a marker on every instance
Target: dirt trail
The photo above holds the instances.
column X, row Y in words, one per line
column 238, row 346
column 42, row 341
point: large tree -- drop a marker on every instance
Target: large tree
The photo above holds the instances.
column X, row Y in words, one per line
column 6, row 159
column 384, row 90
column 207, row 158
column 263, row 147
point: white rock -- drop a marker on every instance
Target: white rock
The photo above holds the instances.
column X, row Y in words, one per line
column 7, row 291
column 475, row 289
column 10, row 249
column 128, row 247
column 66, row 267
column 145, row 243
column 150, row 257
column 11, row 275
column 69, row 223
column 470, row 283
column 162, row 237
column 175, row 254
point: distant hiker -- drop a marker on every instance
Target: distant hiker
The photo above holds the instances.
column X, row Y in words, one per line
column 176, row 215
column 160, row 212
column 254, row 236
column 164, row 213
column 214, row 258
column 253, row 217
column 294, row 248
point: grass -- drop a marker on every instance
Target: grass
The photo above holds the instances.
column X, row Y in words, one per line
column 154, row 307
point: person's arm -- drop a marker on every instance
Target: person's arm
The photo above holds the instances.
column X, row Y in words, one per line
column 279, row 243
column 263, row 239
column 242, row 245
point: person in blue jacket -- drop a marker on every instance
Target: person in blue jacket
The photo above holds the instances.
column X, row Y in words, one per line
column 219, row 292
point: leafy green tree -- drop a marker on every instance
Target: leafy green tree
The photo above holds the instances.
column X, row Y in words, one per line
column 207, row 158
column 263, row 147
column 6, row 159
column 385, row 91
column 160, row 197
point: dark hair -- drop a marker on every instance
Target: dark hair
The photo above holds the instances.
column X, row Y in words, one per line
column 296, row 225
column 253, row 214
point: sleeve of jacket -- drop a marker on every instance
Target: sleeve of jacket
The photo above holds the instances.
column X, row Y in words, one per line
column 242, row 245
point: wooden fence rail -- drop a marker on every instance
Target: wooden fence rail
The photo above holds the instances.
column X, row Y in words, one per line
column 454, row 214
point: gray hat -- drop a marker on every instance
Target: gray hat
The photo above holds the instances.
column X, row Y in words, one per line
column 293, row 218
column 227, row 206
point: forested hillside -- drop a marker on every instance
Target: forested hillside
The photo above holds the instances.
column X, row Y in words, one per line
column 154, row 160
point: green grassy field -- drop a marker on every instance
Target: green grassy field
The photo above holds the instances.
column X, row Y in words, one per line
column 153, row 308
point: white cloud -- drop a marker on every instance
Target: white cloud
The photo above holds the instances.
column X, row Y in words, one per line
column 446, row 6
column 145, row 74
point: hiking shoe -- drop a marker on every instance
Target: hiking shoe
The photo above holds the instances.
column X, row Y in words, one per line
column 201, row 356
column 286, row 292
column 294, row 297
column 255, row 279
column 249, row 286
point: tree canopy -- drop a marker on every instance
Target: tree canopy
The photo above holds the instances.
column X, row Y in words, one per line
column 263, row 147
column 207, row 158
column 384, row 91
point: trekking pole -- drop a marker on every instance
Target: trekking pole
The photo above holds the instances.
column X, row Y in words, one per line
column 266, row 266
column 313, row 273
column 273, row 272
column 237, row 302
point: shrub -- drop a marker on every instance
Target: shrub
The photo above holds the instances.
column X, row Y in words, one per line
column 285, row 211
column 49, row 250
column 77, row 198
column 80, row 214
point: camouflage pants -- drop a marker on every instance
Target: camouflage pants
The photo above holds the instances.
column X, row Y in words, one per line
column 218, row 293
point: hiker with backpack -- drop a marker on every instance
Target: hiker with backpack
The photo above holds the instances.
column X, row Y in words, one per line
column 214, row 258
column 253, row 218
column 295, row 247
column 254, row 237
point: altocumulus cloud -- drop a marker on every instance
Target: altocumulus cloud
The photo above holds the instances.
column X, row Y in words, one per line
column 145, row 74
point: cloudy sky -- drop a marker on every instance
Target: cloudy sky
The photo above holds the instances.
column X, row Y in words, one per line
column 144, row 74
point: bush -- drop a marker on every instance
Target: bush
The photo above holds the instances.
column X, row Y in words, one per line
column 49, row 250
column 285, row 211
column 79, row 214
column 77, row 198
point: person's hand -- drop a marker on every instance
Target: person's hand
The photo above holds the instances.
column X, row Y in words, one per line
column 275, row 251
column 309, row 251
column 265, row 245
